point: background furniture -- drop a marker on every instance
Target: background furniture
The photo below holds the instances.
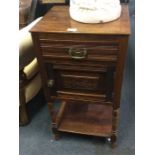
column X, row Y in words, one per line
column 82, row 66
column 27, row 12
column 24, row 11
column 30, row 82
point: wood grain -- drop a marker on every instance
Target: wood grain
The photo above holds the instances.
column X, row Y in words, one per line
column 89, row 119
column 60, row 21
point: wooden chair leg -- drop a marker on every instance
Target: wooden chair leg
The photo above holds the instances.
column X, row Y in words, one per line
column 23, row 115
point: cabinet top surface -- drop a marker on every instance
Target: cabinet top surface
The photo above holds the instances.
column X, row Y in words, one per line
column 58, row 20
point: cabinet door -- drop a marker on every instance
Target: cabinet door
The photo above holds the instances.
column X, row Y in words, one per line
column 74, row 82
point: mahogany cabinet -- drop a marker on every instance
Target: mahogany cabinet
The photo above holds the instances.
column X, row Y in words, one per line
column 82, row 65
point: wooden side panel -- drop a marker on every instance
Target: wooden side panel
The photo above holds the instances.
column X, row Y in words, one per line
column 119, row 71
column 42, row 67
column 117, row 88
column 44, row 77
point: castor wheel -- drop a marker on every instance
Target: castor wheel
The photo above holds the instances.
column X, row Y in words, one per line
column 111, row 141
column 56, row 136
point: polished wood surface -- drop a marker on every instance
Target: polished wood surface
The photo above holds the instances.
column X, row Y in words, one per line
column 88, row 119
column 58, row 20
column 82, row 69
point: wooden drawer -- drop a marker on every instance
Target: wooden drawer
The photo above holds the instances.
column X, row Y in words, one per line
column 83, row 83
column 77, row 37
column 86, row 50
column 80, row 51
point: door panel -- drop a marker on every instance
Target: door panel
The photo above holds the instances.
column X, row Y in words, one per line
column 74, row 82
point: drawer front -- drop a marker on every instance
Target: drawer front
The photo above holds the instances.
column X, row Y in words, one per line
column 94, row 51
column 90, row 84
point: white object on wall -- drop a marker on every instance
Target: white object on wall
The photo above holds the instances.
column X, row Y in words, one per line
column 95, row 11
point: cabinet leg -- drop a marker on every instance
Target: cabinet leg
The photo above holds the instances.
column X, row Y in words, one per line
column 56, row 133
column 57, row 136
column 53, row 118
column 113, row 138
column 113, row 141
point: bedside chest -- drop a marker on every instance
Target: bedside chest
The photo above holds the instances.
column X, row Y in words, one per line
column 82, row 65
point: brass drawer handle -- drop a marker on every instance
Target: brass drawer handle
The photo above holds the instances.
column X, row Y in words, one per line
column 50, row 83
column 76, row 53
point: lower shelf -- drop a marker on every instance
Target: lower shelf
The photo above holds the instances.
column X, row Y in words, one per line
column 88, row 119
